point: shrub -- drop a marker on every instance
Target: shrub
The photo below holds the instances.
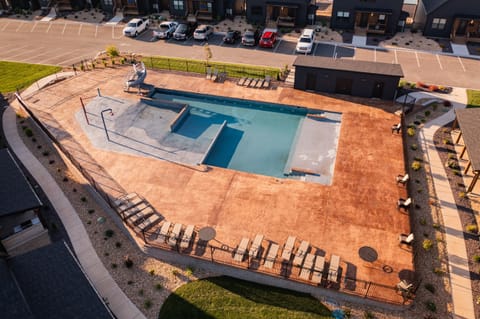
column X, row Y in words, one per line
column 423, row 221
column 430, row 287
column 130, row 282
column 438, row 271
column 368, row 315
column 462, row 194
column 416, row 165
column 28, row 132
column 114, row 265
column 159, row 286
column 411, row 131
column 189, row 270
column 175, row 272
column 112, row 51
column 128, row 262
column 471, row 228
column 427, row 244
column 414, row 147
column 147, row 304
column 436, row 226
column 431, row 306
column 453, row 164
column 109, row 233
column 83, row 199
column 91, row 211
column 118, row 244
column 152, row 272
column 447, row 103
column 45, row 153
column 446, row 141
column 476, row 258
column 427, row 113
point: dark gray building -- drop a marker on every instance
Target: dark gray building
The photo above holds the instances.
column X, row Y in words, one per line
column 287, row 14
column 367, row 16
column 455, row 19
column 351, row 77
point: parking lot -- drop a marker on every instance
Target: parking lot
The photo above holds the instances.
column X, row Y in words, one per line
column 66, row 42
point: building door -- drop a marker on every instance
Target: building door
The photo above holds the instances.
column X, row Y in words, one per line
column 311, row 82
column 378, row 90
column 343, row 86
column 363, row 20
column 462, row 27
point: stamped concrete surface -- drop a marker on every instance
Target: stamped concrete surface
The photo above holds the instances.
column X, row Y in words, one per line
column 357, row 210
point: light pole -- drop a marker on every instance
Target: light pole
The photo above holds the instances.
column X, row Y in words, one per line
column 103, row 120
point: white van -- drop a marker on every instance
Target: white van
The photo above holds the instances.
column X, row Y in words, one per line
column 305, row 43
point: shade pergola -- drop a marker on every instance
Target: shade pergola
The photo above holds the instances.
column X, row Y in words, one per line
column 468, row 120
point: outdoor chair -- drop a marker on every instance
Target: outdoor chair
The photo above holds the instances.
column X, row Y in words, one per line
column 139, row 215
column 241, row 82
column 396, row 128
column 209, row 73
column 287, row 249
column 266, row 82
column 241, row 249
column 307, row 267
column 402, row 179
column 172, row 240
column 271, row 256
column 318, row 269
column 187, row 236
column 163, row 233
column 404, row 203
column 214, row 75
column 122, row 199
column 257, row 243
column 406, row 239
column 301, row 252
column 148, row 222
column 259, row 84
column 404, row 286
column 333, row 269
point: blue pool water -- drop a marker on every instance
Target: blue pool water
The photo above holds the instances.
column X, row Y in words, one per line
column 258, row 137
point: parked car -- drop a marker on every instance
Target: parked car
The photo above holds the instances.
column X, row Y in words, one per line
column 269, row 37
column 165, row 30
column 135, row 27
column 231, row 37
column 250, row 38
column 203, row 32
column 305, row 42
column 182, row 32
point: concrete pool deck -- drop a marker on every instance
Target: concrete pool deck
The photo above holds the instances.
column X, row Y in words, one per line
column 338, row 219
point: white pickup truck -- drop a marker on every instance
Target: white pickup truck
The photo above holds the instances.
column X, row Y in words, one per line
column 135, row 27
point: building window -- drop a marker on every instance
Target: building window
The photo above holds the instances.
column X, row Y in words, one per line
column 178, row 4
column 257, row 10
column 108, row 2
column 439, row 23
column 381, row 18
column 343, row 15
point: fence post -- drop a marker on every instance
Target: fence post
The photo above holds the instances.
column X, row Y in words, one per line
column 186, row 64
column 151, row 62
column 74, row 69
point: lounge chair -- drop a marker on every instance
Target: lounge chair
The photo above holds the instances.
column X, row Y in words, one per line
column 120, row 200
column 396, row 128
column 307, row 267
column 253, row 83
column 241, row 249
column 187, row 236
column 209, row 73
column 163, row 233
column 271, row 256
column 287, row 249
column 406, row 239
column 404, row 203
column 301, row 252
column 247, row 82
column 148, row 222
column 266, row 82
column 333, row 268
column 318, row 269
column 257, row 243
column 172, row 240
column 404, row 286
column 139, row 216
column 402, row 179
column 214, row 75
column 259, row 84
column 241, row 82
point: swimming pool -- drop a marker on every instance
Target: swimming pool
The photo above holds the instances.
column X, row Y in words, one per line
column 258, row 137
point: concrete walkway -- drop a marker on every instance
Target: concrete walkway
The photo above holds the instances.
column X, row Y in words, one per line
column 118, row 302
column 456, row 251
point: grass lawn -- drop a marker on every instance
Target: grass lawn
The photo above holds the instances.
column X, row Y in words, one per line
column 473, row 98
column 15, row 75
column 226, row 297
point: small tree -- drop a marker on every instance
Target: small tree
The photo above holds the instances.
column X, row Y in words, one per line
column 208, row 53
column 112, row 51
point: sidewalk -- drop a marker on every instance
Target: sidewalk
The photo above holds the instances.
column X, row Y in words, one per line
column 118, row 302
column 457, row 254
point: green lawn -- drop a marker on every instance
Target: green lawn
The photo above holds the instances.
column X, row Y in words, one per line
column 15, row 75
column 226, row 297
column 473, row 98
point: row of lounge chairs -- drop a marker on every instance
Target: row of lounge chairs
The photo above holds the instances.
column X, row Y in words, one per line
column 137, row 212
column 174, row 236
column 214, row 75
column 255, row 82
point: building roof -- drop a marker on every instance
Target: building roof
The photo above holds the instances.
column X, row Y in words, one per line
column 469, row 123
column 16, row 193
column 12, row 303
column 432, row 5
column 357, row 66
column 414, row 2
column 54, row 286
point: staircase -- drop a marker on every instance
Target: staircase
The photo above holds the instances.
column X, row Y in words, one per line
column 290, row 80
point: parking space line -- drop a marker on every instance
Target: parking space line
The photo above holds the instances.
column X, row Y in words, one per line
column 418, row 60
column 396, row 58
column 334, row 54
column 53, row 59
column 34, row 26
column 96, row 30
column 26, row 53
column 49, row 26
column 5, row 26
column 374, row 54
column 15, row 49
column 64, row 27
column 80, row 28
column 316, row 47
column 74, row 60
column 461, row 63
column 439, row 63
column 278, row 44
column 20, row 26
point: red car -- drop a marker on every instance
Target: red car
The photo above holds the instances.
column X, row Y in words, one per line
column 268, row 39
